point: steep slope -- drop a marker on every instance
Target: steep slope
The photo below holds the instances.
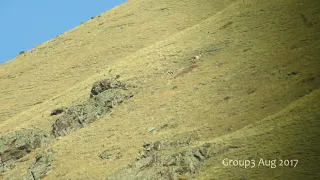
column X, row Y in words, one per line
column 254, row 92
column 93, row 47
column 291, row 135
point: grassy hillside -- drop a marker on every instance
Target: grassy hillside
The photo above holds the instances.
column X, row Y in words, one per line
column 253, row 94
column 94, row 47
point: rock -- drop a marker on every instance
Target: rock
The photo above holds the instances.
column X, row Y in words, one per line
column 152, row 164
column 109, row 155
column 105, row 95
column 251, row 90
column 105, row 85
column 16, row 145
column 42, row 165
column 152, row 130
column 3, row 168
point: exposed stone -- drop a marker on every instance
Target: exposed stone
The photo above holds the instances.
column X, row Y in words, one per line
column 105, row 85
column 109, row 155
column 104, row 96
column 16, row 145
column 42, row 166
column 153, row 164
column 251, row 90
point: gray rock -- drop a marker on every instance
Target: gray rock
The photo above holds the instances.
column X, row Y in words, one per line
column 105, row 85
column 16, row 145
column 153, row 164
column 42, row 166
column 152, row 130
column 105, row 95
column 108, row 155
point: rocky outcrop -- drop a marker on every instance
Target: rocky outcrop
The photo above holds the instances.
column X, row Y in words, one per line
column 105, row 85
column 158, row 160
column 16, row 145
column 42, row 165
column 104, row 96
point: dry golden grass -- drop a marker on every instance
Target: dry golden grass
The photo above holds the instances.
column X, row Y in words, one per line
column 142, row 41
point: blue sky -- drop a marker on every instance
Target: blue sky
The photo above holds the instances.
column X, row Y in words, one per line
column 27, row 23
